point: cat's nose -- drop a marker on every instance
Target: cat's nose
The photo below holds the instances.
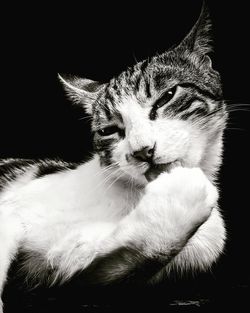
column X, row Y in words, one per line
column 145, row 154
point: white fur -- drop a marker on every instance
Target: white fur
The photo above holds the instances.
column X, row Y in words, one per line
column 69, row 219
column 65, row 220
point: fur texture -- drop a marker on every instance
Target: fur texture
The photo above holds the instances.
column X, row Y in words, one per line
column 146, row 204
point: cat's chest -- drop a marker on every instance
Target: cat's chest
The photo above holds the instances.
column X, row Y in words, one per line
column 69, row 198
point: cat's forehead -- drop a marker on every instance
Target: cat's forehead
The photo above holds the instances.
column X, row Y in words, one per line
column 140, row 86
column 151, row 76
column 122, row 110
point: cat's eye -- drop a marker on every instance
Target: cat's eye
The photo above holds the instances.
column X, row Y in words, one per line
column 165, row 98
column 109, row 130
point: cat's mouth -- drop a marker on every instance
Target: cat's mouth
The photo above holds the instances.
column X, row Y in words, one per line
column 156, row 169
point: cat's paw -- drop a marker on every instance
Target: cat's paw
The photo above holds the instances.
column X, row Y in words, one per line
column 187, row 192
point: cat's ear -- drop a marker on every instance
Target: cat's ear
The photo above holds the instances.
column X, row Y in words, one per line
column 81, row 91
column 199, row 39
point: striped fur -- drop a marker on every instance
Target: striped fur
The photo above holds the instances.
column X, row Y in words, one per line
column 13, row 169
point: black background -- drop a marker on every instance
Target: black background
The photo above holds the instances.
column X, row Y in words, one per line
column 99, row 41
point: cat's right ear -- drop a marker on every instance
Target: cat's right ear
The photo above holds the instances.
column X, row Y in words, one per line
column 81, row 91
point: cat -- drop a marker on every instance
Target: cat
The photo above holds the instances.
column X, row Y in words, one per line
column 146, row 203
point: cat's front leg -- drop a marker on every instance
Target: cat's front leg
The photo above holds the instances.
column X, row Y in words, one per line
column 194, row 206
column 173, row 208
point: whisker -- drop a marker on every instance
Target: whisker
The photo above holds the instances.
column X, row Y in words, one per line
column 237, row 104
column 105, row 180
column 235, row 128
column 233, row 107
column 230, row 108
column 238, row 110
column 113, row 173
column 117, row 178
column 106, row 168
column 88, row 118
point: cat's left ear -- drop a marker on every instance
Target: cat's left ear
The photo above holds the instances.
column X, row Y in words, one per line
column 198, row 40
column 82, row 91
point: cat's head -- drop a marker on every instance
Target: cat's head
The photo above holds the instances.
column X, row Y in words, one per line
column 161, row 111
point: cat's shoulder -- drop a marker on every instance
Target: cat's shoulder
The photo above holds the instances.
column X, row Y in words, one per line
column 12, row 169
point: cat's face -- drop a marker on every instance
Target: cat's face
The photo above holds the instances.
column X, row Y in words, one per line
column 147, row 119
column 159, row 113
